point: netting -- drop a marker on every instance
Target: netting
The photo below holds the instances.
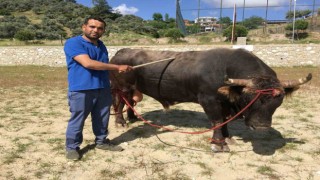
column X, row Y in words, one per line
column 179, row 19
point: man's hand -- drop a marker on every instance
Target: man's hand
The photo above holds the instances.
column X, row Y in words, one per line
column 124, row 68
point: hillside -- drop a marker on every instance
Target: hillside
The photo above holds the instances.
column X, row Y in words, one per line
column 52, row 21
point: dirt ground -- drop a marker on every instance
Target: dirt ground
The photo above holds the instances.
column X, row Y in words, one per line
column 33, row 122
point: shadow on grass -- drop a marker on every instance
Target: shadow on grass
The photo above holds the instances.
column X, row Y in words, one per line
column 263, row 143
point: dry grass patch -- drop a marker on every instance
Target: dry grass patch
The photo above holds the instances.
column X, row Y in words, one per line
column 34, row 115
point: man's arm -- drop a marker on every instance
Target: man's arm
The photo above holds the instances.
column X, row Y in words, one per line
column 87, row 62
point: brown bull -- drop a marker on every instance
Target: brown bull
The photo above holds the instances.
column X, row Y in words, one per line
column 222, row 81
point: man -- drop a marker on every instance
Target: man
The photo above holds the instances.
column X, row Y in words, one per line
column 89, row 87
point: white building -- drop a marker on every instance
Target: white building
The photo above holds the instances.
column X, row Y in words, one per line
column 206, row 23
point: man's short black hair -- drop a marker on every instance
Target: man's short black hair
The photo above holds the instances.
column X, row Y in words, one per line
column 94, row 18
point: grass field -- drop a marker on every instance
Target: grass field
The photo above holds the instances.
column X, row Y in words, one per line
column 56, row 77
column 34, row 115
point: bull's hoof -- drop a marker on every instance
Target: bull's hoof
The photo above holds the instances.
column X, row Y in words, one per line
column 131, row 115
column 121, row 123
column 231, row 141
column 132, row 120
column 220, row 148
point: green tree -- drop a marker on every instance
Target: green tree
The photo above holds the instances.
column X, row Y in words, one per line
column 130, row 23
column 157, row 24
column 174, row 34
column 300, row 26
column 240, row 31
column 100, row 8
column 193, row 29
column 253, row 22
column 7, row 30
column 225, row 22
column 166, row 17
column 24, row 35
column 299, row 14
column 4, row 12
column 157, row 17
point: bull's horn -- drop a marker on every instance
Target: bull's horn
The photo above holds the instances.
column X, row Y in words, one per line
column 294, row 83
column 238, row 82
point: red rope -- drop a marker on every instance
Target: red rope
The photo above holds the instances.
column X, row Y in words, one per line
column 259, row 92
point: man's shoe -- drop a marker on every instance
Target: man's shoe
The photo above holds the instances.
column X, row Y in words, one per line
column 72, row 154
column 107, row 145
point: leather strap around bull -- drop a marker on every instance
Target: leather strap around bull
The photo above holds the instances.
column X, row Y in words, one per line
column 161, row 75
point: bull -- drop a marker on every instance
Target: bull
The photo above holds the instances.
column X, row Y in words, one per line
column 222, row 81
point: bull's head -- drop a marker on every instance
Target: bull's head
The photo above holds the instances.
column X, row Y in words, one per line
column 125, row 85
column 241, row 92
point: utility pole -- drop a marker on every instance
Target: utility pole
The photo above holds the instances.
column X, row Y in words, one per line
column 199, row 30
column 244, row 6
column 290, row 10
column 312, row 17
column 234, row 24
column 266, row 19
column 294, row 19
column 220, row 16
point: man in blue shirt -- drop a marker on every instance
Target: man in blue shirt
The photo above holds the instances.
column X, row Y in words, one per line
column 89, row 87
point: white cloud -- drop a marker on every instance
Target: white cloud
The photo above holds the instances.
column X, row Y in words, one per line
column 124, row 10
column 230, row 3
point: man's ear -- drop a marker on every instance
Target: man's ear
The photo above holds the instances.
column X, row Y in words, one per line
column 83, row 27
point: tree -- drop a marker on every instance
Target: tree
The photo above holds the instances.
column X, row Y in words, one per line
column 101, row 8
column 225, row 22
column 166, row 17
column 193, row 29
column 253, row 22
column 157, row 17
column 300, row 26
column 299, row 14
column 174, row 34
column 130, row 23
column 7, row 30
column 24, row 35
column 4, row 12
column 240, row 31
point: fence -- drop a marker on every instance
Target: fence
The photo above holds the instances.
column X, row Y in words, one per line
column 273, row 12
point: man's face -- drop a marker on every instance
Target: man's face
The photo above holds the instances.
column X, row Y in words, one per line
column 93, row 30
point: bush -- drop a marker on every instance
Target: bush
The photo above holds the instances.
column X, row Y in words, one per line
column 174, row 34
column 240, row 31
column 4, row 12
column 205, row 39
column 299, row 25
column 24, row 35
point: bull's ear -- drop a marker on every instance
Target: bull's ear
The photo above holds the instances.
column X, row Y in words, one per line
column 224, row 90
column 290, row 90
column 229, row 93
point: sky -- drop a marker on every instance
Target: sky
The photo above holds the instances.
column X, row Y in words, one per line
column 191, row 9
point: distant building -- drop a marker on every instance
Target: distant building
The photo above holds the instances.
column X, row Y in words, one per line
column 207, row 23
column 187, row 22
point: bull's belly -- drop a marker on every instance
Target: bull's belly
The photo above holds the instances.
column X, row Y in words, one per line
column 168, row 91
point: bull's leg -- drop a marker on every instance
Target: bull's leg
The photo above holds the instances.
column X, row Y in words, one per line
column 119, row 115
column 214, row 111
column 218, row 141
column 131, row 116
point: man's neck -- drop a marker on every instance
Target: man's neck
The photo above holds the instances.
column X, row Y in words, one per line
column 93, row 41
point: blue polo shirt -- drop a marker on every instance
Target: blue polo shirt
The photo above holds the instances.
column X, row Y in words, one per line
column 80, row 78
